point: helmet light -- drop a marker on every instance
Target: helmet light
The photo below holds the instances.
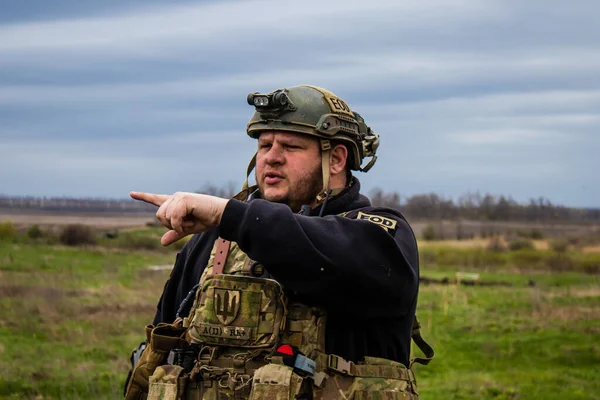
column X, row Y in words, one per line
column 271, row 104
column 261, row 101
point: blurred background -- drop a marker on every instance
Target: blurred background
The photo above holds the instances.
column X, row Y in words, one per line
column 489, row 119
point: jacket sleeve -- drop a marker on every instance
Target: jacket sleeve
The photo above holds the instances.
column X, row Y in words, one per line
column 338, row 262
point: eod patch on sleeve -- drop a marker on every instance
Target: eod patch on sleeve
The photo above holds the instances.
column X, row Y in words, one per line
column 386, row 223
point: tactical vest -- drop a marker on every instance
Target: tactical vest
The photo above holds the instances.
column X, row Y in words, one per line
column 244, row 339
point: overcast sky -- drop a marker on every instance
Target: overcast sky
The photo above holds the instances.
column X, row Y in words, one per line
column 100, row 98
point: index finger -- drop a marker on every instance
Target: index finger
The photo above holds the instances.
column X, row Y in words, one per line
column 151, row 198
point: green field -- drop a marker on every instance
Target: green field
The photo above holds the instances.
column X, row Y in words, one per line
column 517, row 342
column 69, row 317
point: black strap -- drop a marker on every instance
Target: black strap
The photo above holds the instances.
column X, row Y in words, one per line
column 421, row 344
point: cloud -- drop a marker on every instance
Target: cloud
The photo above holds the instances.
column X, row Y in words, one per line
column 113, row 167
column 506, row 137
column 140, row 31
column 492, row 95
column 499, row 102
column 404, row 72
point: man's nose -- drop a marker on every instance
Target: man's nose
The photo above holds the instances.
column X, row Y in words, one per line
column 275, row 155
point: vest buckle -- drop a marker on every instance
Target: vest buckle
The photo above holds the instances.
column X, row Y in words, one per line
column 339, row 364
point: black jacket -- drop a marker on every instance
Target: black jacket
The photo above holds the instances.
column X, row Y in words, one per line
column 364, row 275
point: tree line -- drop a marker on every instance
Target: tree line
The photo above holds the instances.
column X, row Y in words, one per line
column 470, row 206
column 486, row 207
column 69, row 204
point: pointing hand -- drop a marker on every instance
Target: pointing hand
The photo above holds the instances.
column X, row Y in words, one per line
column 184, row 213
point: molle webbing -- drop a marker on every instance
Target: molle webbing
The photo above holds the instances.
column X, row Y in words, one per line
column 236, row 365
column 389, row 370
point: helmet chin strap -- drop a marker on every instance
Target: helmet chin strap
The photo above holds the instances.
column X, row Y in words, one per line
column 325, row 150
column 246, row 190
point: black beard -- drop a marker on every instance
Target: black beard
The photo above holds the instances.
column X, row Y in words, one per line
column 304, row 192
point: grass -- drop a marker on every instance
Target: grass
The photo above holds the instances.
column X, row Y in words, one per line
column 69, row 317
column 146, row 239
column 523, row 259
column 512, row 342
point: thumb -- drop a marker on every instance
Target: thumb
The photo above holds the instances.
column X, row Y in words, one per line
column 171, row 237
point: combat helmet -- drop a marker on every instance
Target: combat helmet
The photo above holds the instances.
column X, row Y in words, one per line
column 314, row 111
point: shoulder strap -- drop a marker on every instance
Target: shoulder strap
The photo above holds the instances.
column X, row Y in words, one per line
column 221, row 253
column 222, row 250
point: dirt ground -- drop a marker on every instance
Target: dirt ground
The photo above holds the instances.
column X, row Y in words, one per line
column 447, row 230
column 99, row 220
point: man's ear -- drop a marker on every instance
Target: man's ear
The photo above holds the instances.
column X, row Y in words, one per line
column 338, row 156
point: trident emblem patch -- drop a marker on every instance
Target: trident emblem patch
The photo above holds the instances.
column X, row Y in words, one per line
column 227, row 305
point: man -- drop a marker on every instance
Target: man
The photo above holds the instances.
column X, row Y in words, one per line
column 305, row 290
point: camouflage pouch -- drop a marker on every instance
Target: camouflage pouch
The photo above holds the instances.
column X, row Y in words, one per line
column 238, row 311
column 275, row 382
column 305, row 328
column 167, row 383
column 161, row 340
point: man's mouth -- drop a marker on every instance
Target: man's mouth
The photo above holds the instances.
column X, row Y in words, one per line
column 272, row 178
